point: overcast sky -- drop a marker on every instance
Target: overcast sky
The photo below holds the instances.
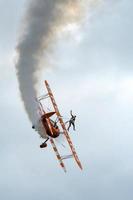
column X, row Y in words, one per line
column 91, row 73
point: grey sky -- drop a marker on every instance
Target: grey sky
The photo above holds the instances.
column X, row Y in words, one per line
column 94, row 77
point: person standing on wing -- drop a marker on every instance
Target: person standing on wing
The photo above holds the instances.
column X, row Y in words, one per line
column 72, row 121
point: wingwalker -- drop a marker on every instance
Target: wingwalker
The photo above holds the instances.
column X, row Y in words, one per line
column 50, row 129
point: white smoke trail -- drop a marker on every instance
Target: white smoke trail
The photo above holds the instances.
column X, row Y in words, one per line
column 43, row 19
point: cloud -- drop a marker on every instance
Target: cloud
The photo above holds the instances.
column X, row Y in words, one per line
column 108, row 40
column 102, row 100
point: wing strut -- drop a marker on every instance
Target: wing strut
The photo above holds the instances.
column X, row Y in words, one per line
column 63, row 125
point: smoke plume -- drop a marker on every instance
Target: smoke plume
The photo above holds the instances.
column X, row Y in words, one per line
column 42, row 21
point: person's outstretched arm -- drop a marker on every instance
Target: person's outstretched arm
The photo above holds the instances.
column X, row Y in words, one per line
column 71, row 113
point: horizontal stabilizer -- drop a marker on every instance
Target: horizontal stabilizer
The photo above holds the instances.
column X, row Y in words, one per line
column 47, row 115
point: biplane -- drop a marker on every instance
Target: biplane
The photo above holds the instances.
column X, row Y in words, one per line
column 50, row 129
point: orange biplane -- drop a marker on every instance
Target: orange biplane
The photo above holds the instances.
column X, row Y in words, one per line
column 50, row 129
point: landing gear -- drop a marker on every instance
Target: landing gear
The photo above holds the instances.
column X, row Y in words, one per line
column 44, row 144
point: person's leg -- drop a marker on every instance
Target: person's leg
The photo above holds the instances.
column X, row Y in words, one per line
column 69, row 125
column 73, row 126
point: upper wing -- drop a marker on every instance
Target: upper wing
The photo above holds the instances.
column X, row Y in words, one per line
column 63, row 125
